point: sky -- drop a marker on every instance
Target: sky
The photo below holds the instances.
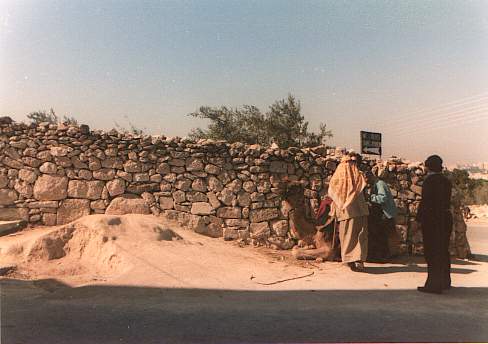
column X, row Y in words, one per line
column 416, row 71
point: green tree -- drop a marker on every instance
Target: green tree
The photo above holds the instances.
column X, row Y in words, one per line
column 246, row 125
column 283, row 124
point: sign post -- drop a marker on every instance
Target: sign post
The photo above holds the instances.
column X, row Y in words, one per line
column 371, row 143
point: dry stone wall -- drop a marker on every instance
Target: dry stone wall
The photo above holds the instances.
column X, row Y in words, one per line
column 53, row 174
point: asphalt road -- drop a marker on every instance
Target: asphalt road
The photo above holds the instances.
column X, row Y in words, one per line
column 49, row 312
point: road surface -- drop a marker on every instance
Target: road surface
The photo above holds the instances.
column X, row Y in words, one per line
column 47, row 311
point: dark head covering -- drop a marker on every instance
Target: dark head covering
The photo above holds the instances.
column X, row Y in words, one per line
column 434, row 163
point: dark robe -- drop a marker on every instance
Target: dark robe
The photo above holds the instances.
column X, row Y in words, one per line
column 379, row 227
column 435, row 218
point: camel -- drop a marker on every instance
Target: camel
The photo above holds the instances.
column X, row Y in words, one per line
column 313, row 243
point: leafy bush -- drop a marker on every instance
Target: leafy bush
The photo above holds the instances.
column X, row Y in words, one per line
column 467, row 190
column 50, row 117
column 282, row 124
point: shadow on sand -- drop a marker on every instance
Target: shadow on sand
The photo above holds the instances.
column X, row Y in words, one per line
column 47, row 311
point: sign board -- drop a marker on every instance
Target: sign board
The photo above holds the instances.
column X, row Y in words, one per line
column 370, row 143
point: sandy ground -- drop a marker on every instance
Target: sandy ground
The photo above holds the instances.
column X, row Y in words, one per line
column 480, row 214
column 116, row 279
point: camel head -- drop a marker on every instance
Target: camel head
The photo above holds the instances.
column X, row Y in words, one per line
column 292, row 192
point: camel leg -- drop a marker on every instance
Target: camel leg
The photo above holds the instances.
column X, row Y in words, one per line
column 311, row 254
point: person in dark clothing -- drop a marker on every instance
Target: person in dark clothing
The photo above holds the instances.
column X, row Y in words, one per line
column 435, row 219
column 382, row 212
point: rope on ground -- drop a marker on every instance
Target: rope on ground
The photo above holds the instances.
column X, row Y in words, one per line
column 286, row 279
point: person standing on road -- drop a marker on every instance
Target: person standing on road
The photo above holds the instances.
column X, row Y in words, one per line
column 382, row 215
column 435, row 218
column 346, row 190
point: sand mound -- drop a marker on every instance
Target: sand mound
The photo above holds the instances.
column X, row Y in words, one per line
column 141, row 250
column 95, row 245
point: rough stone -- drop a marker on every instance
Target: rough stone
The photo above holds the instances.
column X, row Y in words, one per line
column 266, row 214
column 72, row 209
column 230, row 234
column 199, row 185
column 166, row 203
column 50, row 188
column 212, row 198
column 23, row 188
column 48, row 167
column 202, row 208
column 259, row 230
column 49, row 219
column 194, row 164
column 214, row 184
column 85, row 189
column 104, row 174
column 243, row 199
column 227, row 197
column 212, row 169
column 28, row 176
column 229, row 212
column 179, row 196
column 8, row 196
column 132, row 166
column 127, row 204
column 280, row 227
column 116, row 187
column 194, row 196
column 13, row 214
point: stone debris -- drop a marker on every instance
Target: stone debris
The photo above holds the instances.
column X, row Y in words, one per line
column 52, row 174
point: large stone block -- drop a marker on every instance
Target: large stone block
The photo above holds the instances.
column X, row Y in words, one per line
column 128, row 204
column 85, row 189
column 259, row 230
column 116, row 187
column 28, row 176
column 212, row 198
column 194, row 196
column 229, row 213
column 13, row 214
column 48, row 167
column 227, row 197
column 23, row 188
column 166, row 203
column 179, row 196
column 49, row 219
column 72, row 209
column 112, row 163
column 266, row 214
column 132, row 166
column 104, row 174
column 194, row 164
column 280, row 227
column 42, row 204
column 201, row 208
column 212, row 169
column 50, row 188
column 7, row 196
column 199, row 185
column 244, row 199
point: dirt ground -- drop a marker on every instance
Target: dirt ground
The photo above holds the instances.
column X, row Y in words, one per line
column 126, row 279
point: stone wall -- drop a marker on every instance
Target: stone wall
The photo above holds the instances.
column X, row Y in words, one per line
column 53, row 174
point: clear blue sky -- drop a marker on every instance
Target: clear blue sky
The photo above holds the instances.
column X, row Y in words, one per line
column 374, row 65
